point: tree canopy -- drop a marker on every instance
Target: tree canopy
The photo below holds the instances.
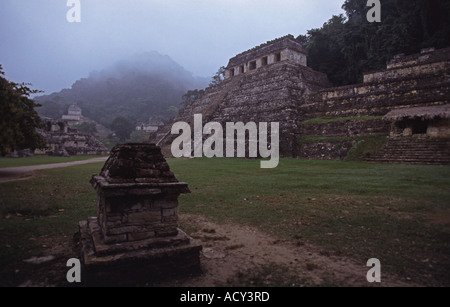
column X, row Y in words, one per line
column 218, row 77
column 349, row 45
column 18, row 118
column 122, row 127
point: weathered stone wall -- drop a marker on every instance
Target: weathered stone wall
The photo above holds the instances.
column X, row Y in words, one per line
column 290, row 93
column 287, row 42
column 135, row 234
column 426, row 56
column 323, row 150
column 64, row 141
column 416, row 80
column 343, row 133
column 346, row 127
column 286, row 48
column 439, row 128
column 379, row 98
column 137, row 195
column 73, row 144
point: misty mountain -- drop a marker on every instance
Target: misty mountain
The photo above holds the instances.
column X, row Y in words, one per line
column 144, row 85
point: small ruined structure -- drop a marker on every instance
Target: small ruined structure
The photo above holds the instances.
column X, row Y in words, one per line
column 73, row 113
column 152, row 125
column 281, row 49
column 63, row 140
column 419, row 135
column 135, row 235
column 433, row 121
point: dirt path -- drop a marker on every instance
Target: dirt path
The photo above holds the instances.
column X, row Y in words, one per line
column 233, row 255
column 237, row 255
column 26, row 172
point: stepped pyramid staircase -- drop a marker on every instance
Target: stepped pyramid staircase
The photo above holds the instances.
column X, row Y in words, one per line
column 164, row 135
column 417, row 149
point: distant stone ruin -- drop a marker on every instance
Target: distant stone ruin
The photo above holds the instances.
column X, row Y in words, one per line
column 65, row 141
column 135, row 235
column 272, row 83
column 152, row 125
column 418, row 135
column 73, row 114
column 281, row 49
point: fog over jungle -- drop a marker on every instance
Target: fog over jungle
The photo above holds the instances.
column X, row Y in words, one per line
column 40, row 46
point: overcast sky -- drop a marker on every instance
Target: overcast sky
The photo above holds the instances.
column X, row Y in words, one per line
column 39, row 45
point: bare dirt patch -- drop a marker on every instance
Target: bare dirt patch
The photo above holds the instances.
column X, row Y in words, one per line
column 48, row 269
column 438, row 217
column 396, row 214
column 233, row 255
column 231, row 252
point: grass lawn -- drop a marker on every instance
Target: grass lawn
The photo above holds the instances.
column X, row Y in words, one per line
column 325, row 120
column 398, row 214
column 39, row 160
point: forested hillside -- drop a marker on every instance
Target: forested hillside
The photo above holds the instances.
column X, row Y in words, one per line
column 146, row 85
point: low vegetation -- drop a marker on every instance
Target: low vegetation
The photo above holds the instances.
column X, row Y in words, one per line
column 326, row 120
column 311, row 139
column 366, row 147
column 396, row 213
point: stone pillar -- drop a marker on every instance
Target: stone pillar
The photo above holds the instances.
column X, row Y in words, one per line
column 258, row 63
column 135, row 234
column 284, row 54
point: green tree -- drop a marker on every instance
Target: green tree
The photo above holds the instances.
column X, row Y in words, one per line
column 18, row 118
column 122, row 127
column 324, row 48
column 348, row 46
column 218, row 77
column 138, row 137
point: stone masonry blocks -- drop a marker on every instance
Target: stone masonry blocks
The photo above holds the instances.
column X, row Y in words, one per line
column 137, row 215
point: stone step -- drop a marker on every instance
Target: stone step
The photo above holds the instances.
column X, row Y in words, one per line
column 411, row 159
column 422, row 157
column 406, row 153
column 404, row 157
column 418, row 154
column 409, row 162
column 403, row 160
column 422, row 149
column 418, row 144
column 415, row 150
column 414, row 141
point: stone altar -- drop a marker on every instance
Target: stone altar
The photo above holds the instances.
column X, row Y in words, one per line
column 135, row 235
